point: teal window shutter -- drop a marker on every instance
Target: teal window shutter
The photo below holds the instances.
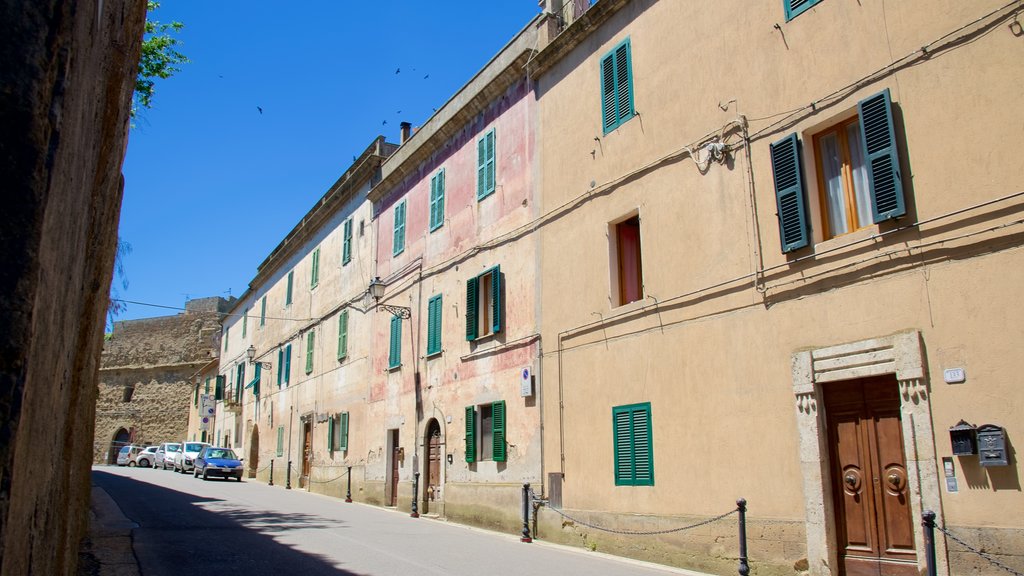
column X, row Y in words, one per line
column 287, row 364
column 342, row 334
column 245, row 321
column 878, row 146
column 495, row 299
column 206, row 389
column 256, row 380
column 346, row 246
column 437, row 200
column 218, row 391
column 395, row 352
column 288, row 292
column 263, row 312
column 398, row 241
column 617, row 86
column 280, row 367
column 330, row 434
column 343, row 436
column 434, row 325
column 795, row 7
column 309, row 351
column 485, row 168
column 314, row 274
column 195, row 398
column 280, row 440
column 472, row 307
column 470, row 434
column 227, row 330
column 634, row 457
column 787, row 172
column 498, row 436
column 239, row 382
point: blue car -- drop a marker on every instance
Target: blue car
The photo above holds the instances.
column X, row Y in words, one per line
column 218, row 463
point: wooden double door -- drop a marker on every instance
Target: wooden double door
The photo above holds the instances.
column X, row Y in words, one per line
column 870, row 491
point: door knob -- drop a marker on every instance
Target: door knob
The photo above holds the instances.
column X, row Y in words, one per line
column 894, row 480
column 850, row 480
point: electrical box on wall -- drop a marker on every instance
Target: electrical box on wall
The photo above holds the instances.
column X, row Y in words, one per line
column 992, row 445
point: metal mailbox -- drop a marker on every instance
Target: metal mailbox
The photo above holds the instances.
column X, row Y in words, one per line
column 963, row 437
column 992, row 445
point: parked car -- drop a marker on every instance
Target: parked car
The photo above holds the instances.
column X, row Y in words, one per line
column 184, row 459
column 126, row 457
column 146, row 457
column 217, row 462
column 165, row 455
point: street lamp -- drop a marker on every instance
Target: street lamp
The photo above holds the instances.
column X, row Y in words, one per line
column 376, row 291
column 250, row 353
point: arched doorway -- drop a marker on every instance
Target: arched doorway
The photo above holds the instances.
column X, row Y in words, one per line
column 120, row 440
column 254, row 451
column 433, row 447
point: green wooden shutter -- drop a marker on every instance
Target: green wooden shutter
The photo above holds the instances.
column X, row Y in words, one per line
column 395, row 352
column 643, row 455
column 288, row 292
column 314, row 274
column 342, row 334
column 280, row 367
column 239, row 382
column 878, row 146
column 256, row 380
column 617, row 86
column 481, row 169
column 195, row 399
column 498, row 436
column 608, row 114
column 496, row 299
column 343, row 437
column 218, row 391
column 437, row 200
column 287, row 364
column 330, row 434
column 794, row 7
column 472, row 307
column 634, row 456
column 245, row 321
column 789, row 193
column 227, row 330
column 309, row 352
column 470, row 434
column 206, row 388
column 346, row 247
column 489, row 174
column 623, row 445
column 280, row 440
column 263, row 312
column 398, row 240
column 434, row 325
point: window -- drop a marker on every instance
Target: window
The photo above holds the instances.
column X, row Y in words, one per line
column 288, row 291
column 434, row 325
column 195, row 398
column 239, row 381
column 398, row 241
column 485, row 432
column 346, row 243
column 280, row 440
column 128, row 392
column 337, row 432
column 284, row 363
column 437, row 200
column 628, row 261
column 207, row 388
column 218, row 391
column 795, row 7
column 483, row 304
column 263, row 312
column 617, row 86
column 858, row 172
column 314, row 273
column 342, row 334
column 395, row 349
column 485, row 165
column 226, row 331
column 245, row 321
column 309, row 351
column 255, row 383
column 634, row 454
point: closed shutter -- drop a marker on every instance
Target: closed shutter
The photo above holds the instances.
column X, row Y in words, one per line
column 280, row 367
column 437, row 200
column 245, row 321
column 395, row 351
column 643, row 466
column 343, row 439
column 287, row 364
column 309, row 352
column 495, row 299
column 288, row 292
column 617, row 87
column 489, row 169
column 789, row 194
column 878, row 141
column 398, row 241
column 481, row 169
column 608, row 113
column 634, row 455
column 472, row 307
column 314, row 275
column 794, row 7
column 346, row 247
column 218, row 391
column 280, row 440
column 263, row 311
column 434, row 325
column 256, row 380
column 330, row 434
column 343, row 334
column 470, row 434
column 623, row 446
column 498, row 436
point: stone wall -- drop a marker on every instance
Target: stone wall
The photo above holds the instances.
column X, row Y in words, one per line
column 68, row 71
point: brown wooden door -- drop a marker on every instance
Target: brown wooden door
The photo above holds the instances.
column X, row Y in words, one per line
column 433, row 462
column 869, row 478
column 394, row 468
column 307, row 447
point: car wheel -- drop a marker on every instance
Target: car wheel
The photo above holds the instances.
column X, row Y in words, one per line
column 239, row 478
column 144, row 463
column 131, row 464
column 205, row 475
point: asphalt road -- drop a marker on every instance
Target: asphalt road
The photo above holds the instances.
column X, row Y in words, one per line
column 188, row 526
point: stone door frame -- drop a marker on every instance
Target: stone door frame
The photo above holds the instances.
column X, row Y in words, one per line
column 900, row 354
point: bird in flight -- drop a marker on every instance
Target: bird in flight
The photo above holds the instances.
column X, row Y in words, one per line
column 397, row 70
column 427, row 76
column 260, row 109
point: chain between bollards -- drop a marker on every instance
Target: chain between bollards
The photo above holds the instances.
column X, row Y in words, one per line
column 928, row 522
column 526, row 514
column 271, row 483
column 741, row 506
column 415, row 494
column 348, row 491
column 288, row 477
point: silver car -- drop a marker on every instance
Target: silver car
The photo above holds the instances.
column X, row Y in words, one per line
column 184, row 460
column 126, row 457
column 147, row 457
column 165, row 455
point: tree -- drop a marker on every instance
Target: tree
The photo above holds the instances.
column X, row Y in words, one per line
column 160, row 57
column 116, row 305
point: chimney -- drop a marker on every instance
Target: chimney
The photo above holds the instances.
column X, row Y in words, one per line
column 406, row 131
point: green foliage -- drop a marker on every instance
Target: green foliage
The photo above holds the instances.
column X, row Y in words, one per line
column 160, row 57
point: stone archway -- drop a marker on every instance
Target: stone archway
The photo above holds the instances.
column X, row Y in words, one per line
column 121, row 439
column 254, row 451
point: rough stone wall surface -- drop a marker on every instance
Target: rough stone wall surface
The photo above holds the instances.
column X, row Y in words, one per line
column 68, row 71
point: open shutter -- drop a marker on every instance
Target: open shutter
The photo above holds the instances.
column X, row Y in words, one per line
column 434, row 325
column 878, row 145
column 481, row 168
column 330, row 434
column 256, row 380
column 470, row 434
column 280, row 367
column 218, row 390
column 346, row 247
column 287, row 364
column 309, row 352
column 496, row 299
column 789, row 193
column 288, row 291
column 623, row 83
column 472, row 307
column 489, row 172
column 395, row 351
column 440, row 198
column 343, row 334
column 498, row 423
column 343, row 437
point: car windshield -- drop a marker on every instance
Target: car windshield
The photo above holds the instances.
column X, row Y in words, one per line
column 225, row 453
column 126, row 450
column 193, row 447
column 173, row 447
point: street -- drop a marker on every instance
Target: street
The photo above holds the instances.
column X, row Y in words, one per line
column 186, row 525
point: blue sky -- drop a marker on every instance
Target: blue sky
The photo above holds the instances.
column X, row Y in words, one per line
column 212, row 184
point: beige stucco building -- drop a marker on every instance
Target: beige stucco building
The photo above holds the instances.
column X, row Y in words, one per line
column 780, row 250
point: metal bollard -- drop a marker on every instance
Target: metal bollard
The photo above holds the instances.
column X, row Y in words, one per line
column 526, row 514
column 928, row 522
column 741, row 505
column 271, row 483
column 415, row 494
column 288, row 477
column 348, row 492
